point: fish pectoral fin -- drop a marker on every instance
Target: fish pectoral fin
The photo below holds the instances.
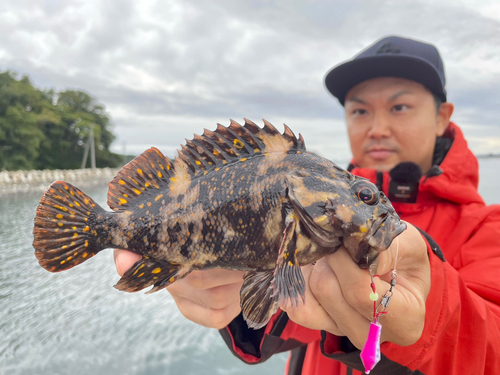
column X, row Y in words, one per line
column 258, row 302
column 288, row 282
column 263, row 292
column 147, row 272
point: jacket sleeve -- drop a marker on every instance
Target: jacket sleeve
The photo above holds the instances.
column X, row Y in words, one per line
column 257, row 346
column 461, row 333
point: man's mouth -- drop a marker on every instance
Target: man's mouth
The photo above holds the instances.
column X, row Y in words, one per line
column 379, row 153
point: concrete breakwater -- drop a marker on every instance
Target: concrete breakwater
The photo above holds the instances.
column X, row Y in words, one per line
column 23, row 181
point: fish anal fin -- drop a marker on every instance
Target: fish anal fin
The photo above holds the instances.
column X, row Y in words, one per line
column 145, row 174
column 147, row 272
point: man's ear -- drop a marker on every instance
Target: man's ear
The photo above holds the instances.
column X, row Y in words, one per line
column 443, row 117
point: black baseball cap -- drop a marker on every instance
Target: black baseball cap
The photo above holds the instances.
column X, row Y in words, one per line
column 391, row 56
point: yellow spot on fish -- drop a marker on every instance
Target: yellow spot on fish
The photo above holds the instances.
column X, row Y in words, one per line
column 224, row 161
column 125, row 195
column 149, row 204
column 121, row 182
column 74, row 228
column 86, row 228
column 256, row 150
column 363, row 228
column 69, row 258
column 216, row 152
column 75, row 235
column 138, row 192
column 71, row 192
column 217, row 169
column 123, row 201
column 141, row 206
column 63, row 261
column 141, row 266
column 142, row 274
column 290, row 263
column 70, row 205
column 60, row 224
column 64, row 247
column 85, row 255
column 159, row 174
column 59, row 216
column 158, row 197
column 243, row 159
column 198, row 162
column 172, row 279
column 156, row 270
column 139, row 171
column 238, row 144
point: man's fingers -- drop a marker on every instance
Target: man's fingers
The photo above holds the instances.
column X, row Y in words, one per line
column 207, row 317
column 124, row 260
column 311, row 314
column 326, row 288
column 212, row 278
column 219, row 297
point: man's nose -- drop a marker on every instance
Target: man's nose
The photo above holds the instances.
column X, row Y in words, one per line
column 380, row 126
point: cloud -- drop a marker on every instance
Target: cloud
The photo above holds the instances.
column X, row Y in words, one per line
column 167, row 69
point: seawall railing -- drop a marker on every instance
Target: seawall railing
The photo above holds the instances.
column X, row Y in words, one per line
column 24, row 181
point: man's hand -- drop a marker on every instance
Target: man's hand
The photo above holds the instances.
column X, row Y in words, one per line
column 210, row 298
column 337, row 293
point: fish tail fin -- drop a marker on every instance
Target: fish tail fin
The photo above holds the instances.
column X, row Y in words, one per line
column 64, row 234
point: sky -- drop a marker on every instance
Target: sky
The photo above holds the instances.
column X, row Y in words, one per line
column 170, row 68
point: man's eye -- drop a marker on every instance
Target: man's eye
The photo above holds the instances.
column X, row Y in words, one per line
column 359, row 111
column 399, row 107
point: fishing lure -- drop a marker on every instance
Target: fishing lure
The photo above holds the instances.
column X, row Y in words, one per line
column 370, row 354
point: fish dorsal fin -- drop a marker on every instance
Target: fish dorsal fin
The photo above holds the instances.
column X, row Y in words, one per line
column 143, row 175
column 236, row 142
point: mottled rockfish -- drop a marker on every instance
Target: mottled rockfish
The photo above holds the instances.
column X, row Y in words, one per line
column 240, row 198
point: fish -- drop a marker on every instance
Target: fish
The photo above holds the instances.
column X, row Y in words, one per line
column 240, row 197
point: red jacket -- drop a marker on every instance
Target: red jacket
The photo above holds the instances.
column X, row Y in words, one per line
column 462, row 324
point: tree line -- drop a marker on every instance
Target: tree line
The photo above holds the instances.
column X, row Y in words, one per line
column 45, row 129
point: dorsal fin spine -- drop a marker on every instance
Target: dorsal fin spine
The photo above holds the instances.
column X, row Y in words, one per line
column 241, row 141
column 222, row 140
column 202, row 143
column 269, row 128
column 257, row 143
column 184, row 157
column 215, row 138
column 198, row 157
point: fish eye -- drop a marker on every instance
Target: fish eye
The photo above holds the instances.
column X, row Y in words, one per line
column 366, row 192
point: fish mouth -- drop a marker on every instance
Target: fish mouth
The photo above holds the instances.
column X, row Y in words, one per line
column 384, row 231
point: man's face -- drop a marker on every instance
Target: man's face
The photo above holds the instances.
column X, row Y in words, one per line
column 391, row 120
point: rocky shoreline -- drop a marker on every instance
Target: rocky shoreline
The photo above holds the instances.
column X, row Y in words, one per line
column 24, row 181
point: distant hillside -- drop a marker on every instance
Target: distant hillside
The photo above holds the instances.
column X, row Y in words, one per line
column 488, row 156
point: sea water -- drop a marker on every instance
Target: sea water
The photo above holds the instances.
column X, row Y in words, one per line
column 76, row 323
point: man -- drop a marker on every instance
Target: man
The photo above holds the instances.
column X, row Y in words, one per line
column 444, row 315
